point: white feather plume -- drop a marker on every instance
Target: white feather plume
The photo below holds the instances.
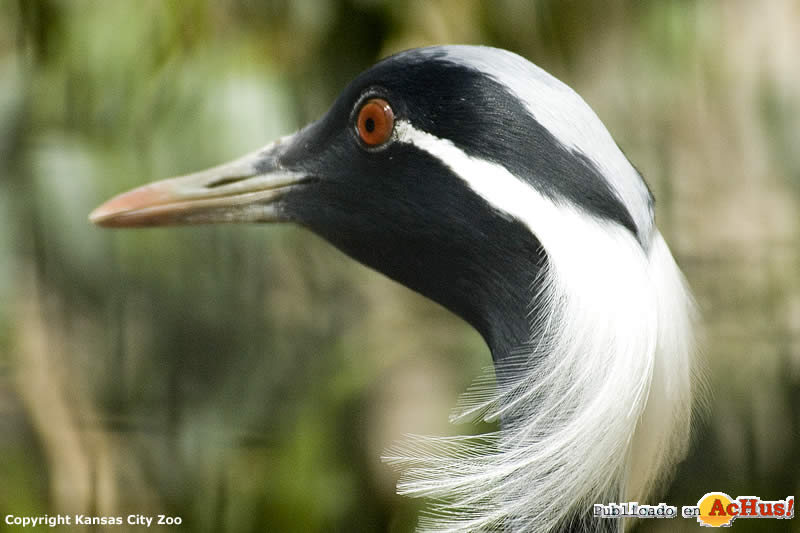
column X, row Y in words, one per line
column 598, row 404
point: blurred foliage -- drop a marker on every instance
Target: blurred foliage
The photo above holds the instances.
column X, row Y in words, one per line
column 248, row 378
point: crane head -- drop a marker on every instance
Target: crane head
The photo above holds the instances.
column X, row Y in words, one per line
column 477, row 179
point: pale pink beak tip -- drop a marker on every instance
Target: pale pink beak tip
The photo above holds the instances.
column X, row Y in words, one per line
column 108, row 214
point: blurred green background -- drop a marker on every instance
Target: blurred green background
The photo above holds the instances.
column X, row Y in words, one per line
column 248, row 378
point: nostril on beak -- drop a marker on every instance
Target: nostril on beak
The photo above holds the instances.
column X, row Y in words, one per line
column 224, row 181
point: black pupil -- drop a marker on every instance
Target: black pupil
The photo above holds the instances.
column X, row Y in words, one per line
column 370, row 125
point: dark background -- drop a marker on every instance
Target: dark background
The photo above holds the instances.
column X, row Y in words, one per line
column 248, row 378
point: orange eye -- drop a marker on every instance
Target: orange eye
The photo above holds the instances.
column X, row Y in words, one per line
column 375, row 122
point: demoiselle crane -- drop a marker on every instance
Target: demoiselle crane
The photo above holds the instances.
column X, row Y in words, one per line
column 477, row 179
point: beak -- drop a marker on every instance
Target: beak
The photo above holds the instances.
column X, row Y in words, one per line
column 244, row 190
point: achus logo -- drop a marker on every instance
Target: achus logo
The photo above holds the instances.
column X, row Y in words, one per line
column 717, row 509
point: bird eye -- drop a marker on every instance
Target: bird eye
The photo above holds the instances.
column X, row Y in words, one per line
column 375, row 122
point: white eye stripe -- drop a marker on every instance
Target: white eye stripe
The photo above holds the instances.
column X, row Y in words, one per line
column 499, row 187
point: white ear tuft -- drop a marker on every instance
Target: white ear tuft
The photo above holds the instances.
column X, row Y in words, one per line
column 599, row 404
